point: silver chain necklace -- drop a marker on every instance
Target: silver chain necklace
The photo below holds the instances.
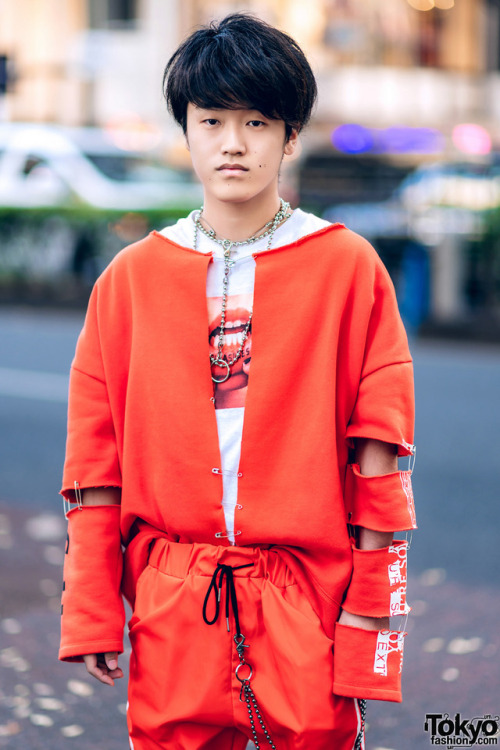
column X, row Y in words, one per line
column 227, row 245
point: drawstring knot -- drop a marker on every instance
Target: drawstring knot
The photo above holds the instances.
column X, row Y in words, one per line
column 224, row 571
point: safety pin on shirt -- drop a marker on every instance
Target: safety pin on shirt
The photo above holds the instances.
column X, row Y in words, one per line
column 215, row 470
column 412, row 454
column 67, row 505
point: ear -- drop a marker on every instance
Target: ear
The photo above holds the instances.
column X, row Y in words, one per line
column 186, row 140
column 291, row 143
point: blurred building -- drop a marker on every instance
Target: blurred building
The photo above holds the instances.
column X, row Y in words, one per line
column 87, row 62
column 401, row 82
column 379, row 62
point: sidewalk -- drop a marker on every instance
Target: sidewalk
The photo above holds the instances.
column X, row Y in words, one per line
column 451, row 660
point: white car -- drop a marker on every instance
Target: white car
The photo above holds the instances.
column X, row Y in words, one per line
column 46, row 165
column 432, row 201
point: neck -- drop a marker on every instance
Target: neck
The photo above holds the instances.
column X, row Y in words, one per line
column 239, row 221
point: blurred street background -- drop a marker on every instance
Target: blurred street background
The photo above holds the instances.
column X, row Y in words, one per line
column 404, row 148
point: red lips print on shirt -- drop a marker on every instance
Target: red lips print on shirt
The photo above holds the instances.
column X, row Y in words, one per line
column 232, row 392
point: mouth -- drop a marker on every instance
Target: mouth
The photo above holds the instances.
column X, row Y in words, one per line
column 232, row 168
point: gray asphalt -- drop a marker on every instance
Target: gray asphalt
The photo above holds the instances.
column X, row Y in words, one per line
column 452, row 651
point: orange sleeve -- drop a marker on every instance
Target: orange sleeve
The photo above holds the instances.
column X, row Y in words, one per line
column 92, row 611
column 91, row 449
column 384, row 407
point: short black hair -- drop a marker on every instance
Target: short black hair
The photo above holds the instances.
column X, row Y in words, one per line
column 241, row 62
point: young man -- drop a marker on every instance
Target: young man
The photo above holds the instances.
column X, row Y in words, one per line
column 256, row 475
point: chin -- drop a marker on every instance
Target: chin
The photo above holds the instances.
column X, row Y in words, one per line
column 238, row 197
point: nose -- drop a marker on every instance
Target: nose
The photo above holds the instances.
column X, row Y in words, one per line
column 233, row 141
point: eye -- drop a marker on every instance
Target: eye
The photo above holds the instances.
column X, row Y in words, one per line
column 256, row 123
column 210, row 121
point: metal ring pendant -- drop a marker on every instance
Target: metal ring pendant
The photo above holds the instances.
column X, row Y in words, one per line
column 221, row 363
column 241, row 665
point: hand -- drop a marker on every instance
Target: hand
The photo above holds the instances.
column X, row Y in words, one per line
column 365, row 623
column 104, row 667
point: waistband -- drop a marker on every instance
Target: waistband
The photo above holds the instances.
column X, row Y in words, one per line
column 180, row 560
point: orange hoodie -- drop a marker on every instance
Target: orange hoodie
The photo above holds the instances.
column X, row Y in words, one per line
column 330, row 362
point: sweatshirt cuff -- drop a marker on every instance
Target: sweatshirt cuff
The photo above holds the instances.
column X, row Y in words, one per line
column 368, row 663
column 74, row 652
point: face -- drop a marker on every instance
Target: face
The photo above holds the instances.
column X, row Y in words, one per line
column 237, row 153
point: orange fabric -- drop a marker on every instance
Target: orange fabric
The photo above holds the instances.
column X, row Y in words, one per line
column 378, row 584
column 368, row 663
column 382, row 503
column 183, row 690
column 92, row 612
column 330, row 361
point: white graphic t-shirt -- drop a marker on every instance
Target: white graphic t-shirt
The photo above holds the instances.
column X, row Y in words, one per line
column 230, row 395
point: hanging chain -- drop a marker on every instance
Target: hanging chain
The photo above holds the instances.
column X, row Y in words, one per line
column 247, row 695
column 361, row 733
column 227, row 245
column 218, row 359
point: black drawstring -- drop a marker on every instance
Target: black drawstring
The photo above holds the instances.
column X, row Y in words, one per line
column 224, row 571
column 246, row 692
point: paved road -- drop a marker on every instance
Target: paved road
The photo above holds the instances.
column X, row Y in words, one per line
column 452, row 652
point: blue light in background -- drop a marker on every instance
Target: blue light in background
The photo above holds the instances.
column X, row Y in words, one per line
column 402, row 140
column 352, row 139
column 357, row 139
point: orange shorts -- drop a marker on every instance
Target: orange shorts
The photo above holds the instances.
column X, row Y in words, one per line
column 183, row 690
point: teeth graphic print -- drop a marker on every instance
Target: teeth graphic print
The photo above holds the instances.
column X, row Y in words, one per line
column 232, row 392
